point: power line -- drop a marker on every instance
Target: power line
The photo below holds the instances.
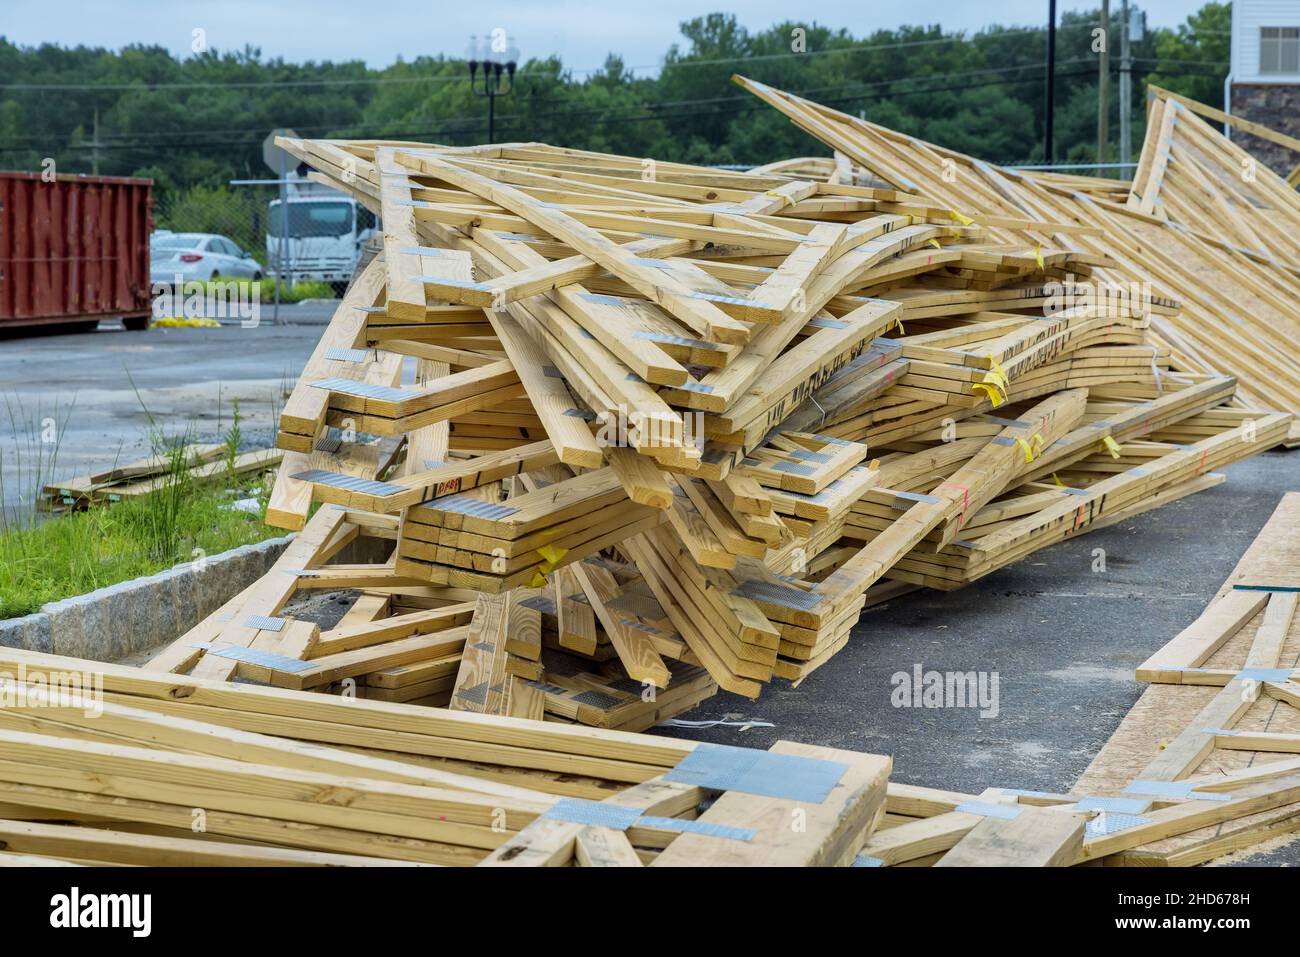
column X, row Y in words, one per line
column 235, row 85
column 588, row 71
column 639, row 113
column 748, row 104
column 118, row 140
column 121, row 139
column 864, row 48
column 1149, row 59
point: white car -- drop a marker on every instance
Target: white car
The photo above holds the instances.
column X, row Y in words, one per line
column 198, row 256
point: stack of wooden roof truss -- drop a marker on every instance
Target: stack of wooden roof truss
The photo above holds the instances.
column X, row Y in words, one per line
column 666, row 429
column 1203, row 222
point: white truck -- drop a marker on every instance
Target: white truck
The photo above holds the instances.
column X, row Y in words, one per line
column 325, row 233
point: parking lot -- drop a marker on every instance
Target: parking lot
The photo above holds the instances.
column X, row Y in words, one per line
column 103, row 388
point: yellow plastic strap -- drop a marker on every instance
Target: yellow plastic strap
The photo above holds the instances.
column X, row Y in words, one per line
column 898, row 324
column 995, row 382
column 935, row 244
column 992, row 389
column 1038, row 254
column 552, row 553
column 1000, row 372
column 964, row 220
column 785, row 200
column 1112, row 446
column 1032, row 449
column 1057, row 479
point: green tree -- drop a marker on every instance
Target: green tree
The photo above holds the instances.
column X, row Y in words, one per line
column 199, row 121
column 1193, row 60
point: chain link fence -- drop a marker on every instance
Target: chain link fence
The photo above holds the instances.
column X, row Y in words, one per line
column 239, row 213
column 319, row 263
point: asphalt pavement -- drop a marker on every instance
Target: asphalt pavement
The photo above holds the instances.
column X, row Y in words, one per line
column 104, row 391
column 1062, row 637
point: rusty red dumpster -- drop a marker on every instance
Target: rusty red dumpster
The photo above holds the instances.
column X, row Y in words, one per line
column 74, row 249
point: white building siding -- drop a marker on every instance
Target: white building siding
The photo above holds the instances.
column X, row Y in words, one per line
column 1248, row 17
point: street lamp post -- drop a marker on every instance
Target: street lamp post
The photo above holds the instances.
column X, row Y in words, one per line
column 1049, row 105
column 495, row 55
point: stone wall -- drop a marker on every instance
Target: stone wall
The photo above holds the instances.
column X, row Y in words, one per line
column 122, row 619
column 1276, row 106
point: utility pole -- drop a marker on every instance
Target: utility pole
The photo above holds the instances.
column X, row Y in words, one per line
column 1103, row 85
column 282, row 267
column 1049, row 106
column 94, row 147
column 1128, row 17
column 278, row 160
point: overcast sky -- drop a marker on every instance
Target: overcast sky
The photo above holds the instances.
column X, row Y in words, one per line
column 581, row 32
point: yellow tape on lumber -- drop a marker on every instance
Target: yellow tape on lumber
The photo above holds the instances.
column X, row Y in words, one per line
column 1000, row 372
column 552, row 553
column 995, row 382
column 1032, row 449
column 991, row 389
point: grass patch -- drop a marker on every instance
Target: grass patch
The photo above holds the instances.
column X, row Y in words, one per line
column 302, row 289
column 77, row 553
column 47, row 560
